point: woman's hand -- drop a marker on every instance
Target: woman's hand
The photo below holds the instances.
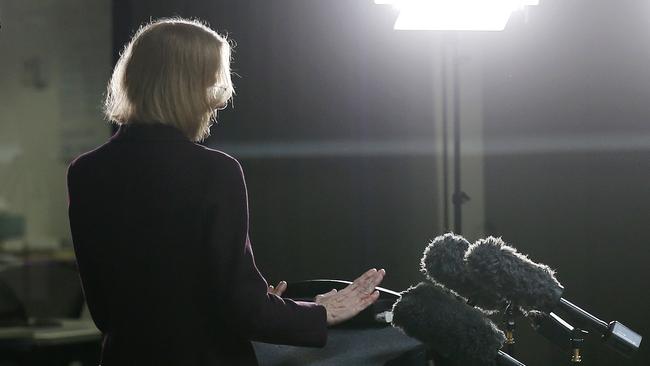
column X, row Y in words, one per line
column 345, row 304
column 279, row 289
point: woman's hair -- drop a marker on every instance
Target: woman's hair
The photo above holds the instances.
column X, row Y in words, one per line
column 173, row 71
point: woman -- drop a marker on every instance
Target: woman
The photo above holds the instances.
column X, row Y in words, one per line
column 160, row 223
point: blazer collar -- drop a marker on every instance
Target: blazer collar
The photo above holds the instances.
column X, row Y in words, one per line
column 148, row 131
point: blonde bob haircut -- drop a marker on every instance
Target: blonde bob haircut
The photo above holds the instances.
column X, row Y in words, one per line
column 173, row 71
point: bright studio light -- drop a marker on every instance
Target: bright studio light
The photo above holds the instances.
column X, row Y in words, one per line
column 471, row 15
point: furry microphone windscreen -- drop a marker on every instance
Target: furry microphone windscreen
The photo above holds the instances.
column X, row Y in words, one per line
column 443, row 261
column 446, row 324
column 510, row 274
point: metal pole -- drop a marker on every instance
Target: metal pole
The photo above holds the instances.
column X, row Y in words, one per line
column 457, row 198
column 445, row 139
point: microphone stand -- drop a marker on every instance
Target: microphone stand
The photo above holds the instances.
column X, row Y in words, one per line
column 577, row 339
column 574, row 335
column 561, row 333
column 616, row 335
column 509, row 324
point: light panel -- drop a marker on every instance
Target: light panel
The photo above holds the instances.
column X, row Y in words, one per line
column 470, row 15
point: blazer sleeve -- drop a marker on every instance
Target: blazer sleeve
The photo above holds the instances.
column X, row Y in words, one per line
column 250, row 310
column 86, row 259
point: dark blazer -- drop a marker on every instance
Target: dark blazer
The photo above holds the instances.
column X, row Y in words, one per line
column 160, row 230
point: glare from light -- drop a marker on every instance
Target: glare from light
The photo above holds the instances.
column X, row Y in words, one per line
column 398, row 3
column 470, row 15
column 395, row 3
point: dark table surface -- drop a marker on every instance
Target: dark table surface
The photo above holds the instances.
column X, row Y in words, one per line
column 345, row 346
column 370, row 345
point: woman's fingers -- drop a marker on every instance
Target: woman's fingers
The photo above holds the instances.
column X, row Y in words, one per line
column 361, row 279
column 321, row 296
column 365, row 293
column 367, row 301
column 279, row 289
column 353, row 299
column 375, row 280
column 341, row 308
column 366, row 282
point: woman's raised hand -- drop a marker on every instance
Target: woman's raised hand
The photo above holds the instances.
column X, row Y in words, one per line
column 350, row 301
column 277, row 290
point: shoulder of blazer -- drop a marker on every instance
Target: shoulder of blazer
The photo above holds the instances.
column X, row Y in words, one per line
column 83, row 159
column 220, row 157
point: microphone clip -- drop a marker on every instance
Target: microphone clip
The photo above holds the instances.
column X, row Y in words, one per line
column 577, row 340
column 509, row 323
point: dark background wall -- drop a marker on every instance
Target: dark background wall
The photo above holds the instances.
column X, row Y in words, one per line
column 571, row 90
column 567, row 143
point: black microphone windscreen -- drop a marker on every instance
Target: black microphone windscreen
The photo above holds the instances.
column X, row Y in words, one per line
column 445, row 323
column 511, row 275
column 443, row 262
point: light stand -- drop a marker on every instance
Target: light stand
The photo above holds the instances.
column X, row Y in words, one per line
column 458, row 197
column 454, row 15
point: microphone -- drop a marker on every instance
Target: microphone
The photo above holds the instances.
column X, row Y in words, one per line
column 509, row 274
column 443, row 262
column 443, row 321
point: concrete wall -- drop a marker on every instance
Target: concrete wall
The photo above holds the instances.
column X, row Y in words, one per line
column 55, row 58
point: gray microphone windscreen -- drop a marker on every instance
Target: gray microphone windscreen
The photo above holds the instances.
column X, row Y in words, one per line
column 502, row 270
column 443, row 261
column 445, row 323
